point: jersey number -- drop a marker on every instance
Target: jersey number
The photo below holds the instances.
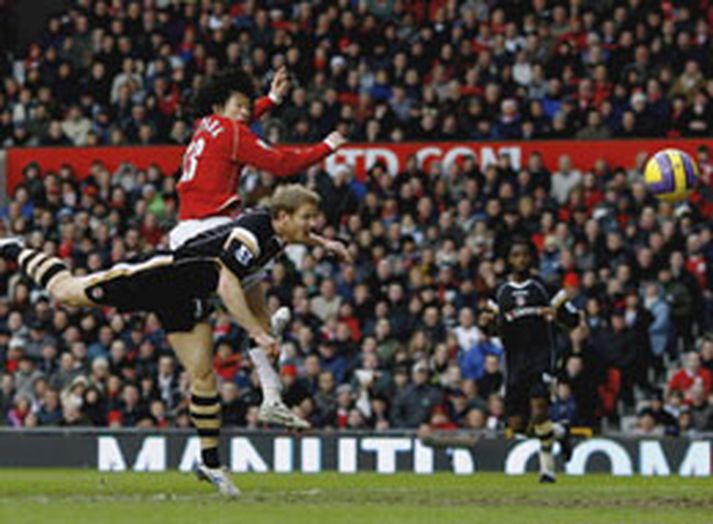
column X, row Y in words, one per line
column 190, row 162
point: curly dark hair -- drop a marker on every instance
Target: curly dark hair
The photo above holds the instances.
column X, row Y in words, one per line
column 217, row 89
column 520, row 240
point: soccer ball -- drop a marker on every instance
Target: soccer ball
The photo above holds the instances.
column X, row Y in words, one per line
column 671, row 175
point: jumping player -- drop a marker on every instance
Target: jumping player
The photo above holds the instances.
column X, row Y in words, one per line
column 526, row 313
column 221, row 146
column 176, row 286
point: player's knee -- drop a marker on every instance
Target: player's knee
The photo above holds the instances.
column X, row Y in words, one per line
column 204, row 379
column 61, row 291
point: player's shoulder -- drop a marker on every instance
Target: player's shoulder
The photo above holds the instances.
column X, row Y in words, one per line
column 257, row 221
column 538, row 283
column 215, row 126
column 500, row 289
column 532, row 282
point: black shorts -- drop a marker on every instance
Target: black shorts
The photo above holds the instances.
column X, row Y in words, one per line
column 177, row 292
column 522, row 387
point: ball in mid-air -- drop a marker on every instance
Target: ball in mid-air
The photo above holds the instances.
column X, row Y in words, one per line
column 671, row 175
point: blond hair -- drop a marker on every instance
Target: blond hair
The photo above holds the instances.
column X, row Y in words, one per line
column 291, row 197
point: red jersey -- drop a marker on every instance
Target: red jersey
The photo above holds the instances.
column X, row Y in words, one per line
column 682, row 381
column 219, row 150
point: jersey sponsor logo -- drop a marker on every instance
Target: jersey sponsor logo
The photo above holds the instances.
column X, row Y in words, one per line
column 520, row 312
column 243, row 255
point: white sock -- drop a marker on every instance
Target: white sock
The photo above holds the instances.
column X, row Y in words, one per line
column 547, row 463
column 269, row 379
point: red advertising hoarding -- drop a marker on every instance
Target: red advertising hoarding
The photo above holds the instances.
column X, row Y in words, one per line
column 361, row 156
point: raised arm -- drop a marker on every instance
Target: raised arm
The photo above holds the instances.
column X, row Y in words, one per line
column 278, row 89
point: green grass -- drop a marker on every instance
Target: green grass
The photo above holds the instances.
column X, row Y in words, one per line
column 82, row 496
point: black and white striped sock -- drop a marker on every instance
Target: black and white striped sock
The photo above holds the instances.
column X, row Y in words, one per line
column 204, row 410
column 42, row 269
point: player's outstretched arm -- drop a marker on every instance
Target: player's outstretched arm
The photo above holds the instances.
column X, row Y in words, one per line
column 233, row 296
column 253, row 151
column 332, row 246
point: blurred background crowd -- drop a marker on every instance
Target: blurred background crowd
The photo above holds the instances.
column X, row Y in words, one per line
column 123, row 72
column 394, row 340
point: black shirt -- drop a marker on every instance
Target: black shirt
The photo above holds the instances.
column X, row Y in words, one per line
column 245, row 246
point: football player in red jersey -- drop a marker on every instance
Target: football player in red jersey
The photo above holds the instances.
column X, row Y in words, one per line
column 222, row 145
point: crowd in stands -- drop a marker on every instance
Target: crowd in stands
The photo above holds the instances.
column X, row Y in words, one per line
column 393, row 340
column 124, row 71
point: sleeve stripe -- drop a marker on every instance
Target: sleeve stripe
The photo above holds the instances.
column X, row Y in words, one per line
column 246, row 237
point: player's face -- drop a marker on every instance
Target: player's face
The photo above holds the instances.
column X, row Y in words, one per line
column 298, row 226
column 238, row 107
column 520, row 258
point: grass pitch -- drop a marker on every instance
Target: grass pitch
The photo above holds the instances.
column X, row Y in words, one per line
column 82, row 496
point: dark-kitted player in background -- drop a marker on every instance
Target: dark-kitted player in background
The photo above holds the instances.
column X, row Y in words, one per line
column 525, row 314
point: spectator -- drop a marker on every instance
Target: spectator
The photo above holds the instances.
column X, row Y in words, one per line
column 564, row 407
column 565, row 179
column 690, row 375
column 25, row 377
column 327, row 303
column 19, row 413
column 50, row 413
column 492, row 379
column 232, row 409
column 701, row 410
column 412, row 406
column 76, row 127
column 427, row 242
column 660, row 328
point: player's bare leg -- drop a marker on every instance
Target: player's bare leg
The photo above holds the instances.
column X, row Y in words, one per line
column 194, row 350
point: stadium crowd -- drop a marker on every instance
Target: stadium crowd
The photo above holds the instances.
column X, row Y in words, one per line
column 123, row 72
column 394, row 340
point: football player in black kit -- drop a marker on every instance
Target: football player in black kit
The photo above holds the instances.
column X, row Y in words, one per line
column 525, row 314
column 228, row 260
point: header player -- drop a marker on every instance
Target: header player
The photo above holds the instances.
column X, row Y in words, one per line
column 176, row 286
